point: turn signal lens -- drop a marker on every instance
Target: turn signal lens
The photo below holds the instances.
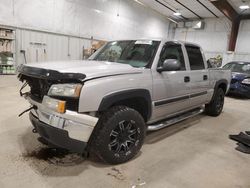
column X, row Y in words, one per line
column 61, row 107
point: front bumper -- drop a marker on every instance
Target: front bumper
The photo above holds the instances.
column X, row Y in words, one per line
column 57, row 137
column 240, row 89
column 77, row 126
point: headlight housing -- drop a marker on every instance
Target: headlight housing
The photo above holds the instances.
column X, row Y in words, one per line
column 246, row 81
column 65, row 90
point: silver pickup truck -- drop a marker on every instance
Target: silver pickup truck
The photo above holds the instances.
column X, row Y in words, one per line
column 107, row 103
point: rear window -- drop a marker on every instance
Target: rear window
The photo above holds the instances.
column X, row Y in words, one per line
column 195, row 58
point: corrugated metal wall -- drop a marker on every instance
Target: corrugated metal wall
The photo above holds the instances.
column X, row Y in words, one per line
column 42, row 46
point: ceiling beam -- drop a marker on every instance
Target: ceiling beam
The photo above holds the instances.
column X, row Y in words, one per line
column 227, row 9
column 189, row 9
column 207, row 8
column 165, row 6
column 170, row 9
column 234, row 35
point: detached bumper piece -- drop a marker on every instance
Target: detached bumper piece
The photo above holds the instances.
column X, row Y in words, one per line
column 243, row 148
column 243, row 142
column 57, row 137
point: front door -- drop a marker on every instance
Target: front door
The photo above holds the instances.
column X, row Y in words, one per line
column 170, row 88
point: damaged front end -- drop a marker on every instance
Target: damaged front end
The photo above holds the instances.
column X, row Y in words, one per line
column 40, row 80
column 54, row 114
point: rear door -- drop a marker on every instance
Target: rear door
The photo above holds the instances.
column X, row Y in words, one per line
column 199, row 75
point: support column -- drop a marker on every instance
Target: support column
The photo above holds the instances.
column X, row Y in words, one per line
column 234, row 34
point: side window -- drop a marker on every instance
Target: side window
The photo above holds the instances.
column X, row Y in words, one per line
column 172, row 51
column 195, row 58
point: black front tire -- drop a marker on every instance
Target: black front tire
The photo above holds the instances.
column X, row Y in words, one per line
column 215, row 107
column 119, row 135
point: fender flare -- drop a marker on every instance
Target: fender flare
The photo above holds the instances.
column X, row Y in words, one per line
column 113, row 98
column 222, row 81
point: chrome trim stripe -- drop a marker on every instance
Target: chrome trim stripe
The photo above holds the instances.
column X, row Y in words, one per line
column 167, row 101
column 198, row 94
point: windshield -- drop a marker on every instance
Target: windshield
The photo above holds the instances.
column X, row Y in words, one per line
column 238, row 67
column 133, row 52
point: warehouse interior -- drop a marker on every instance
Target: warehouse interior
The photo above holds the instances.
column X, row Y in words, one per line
column 196, row 152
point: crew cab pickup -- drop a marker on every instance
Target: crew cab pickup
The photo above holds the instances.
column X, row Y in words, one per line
column 107, row 103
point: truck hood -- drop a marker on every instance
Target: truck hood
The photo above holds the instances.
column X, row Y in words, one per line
column 91, row 69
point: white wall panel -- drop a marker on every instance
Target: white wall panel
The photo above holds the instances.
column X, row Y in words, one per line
column 102, row 19
column 214, row 37
column 244, row 38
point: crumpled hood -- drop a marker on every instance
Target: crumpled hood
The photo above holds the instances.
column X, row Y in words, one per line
column 91, row 69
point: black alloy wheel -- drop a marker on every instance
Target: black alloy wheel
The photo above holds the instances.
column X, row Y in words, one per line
column 118, row 135
column 215, row 107
column 123, row 138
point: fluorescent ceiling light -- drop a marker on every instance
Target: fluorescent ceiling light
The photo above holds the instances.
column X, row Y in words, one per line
column 177, row 13
column 244, row 7
column 98, row 11
column 139, row 2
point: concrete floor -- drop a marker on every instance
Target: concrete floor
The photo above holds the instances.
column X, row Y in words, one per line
column 194, row 153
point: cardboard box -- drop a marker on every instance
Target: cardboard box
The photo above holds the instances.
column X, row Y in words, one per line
column 98, row 45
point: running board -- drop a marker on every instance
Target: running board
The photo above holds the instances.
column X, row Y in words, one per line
column 176, row 119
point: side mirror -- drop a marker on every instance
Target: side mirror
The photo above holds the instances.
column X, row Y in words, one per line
column 169, row 65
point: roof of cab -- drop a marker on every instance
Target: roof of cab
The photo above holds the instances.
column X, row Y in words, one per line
column 162, row 40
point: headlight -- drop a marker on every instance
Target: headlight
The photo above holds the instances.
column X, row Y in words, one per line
column 65, row 90
column 246, row 81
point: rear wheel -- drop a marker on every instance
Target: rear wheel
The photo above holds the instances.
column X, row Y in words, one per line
column 215, row 107
column 119, row 135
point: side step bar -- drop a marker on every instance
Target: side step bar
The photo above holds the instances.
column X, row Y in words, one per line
column 176, row 119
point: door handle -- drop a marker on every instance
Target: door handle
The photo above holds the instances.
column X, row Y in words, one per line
column 205, row 77
column 186, row 79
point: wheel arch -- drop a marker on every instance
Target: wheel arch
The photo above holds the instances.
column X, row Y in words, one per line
column 138, row 99
column 221, row 84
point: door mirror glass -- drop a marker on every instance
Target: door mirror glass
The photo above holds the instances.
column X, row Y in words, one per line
column 170, row 65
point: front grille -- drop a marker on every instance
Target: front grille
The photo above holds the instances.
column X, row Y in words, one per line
column 233, row 81
column 71, row 103
column 40, row 87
